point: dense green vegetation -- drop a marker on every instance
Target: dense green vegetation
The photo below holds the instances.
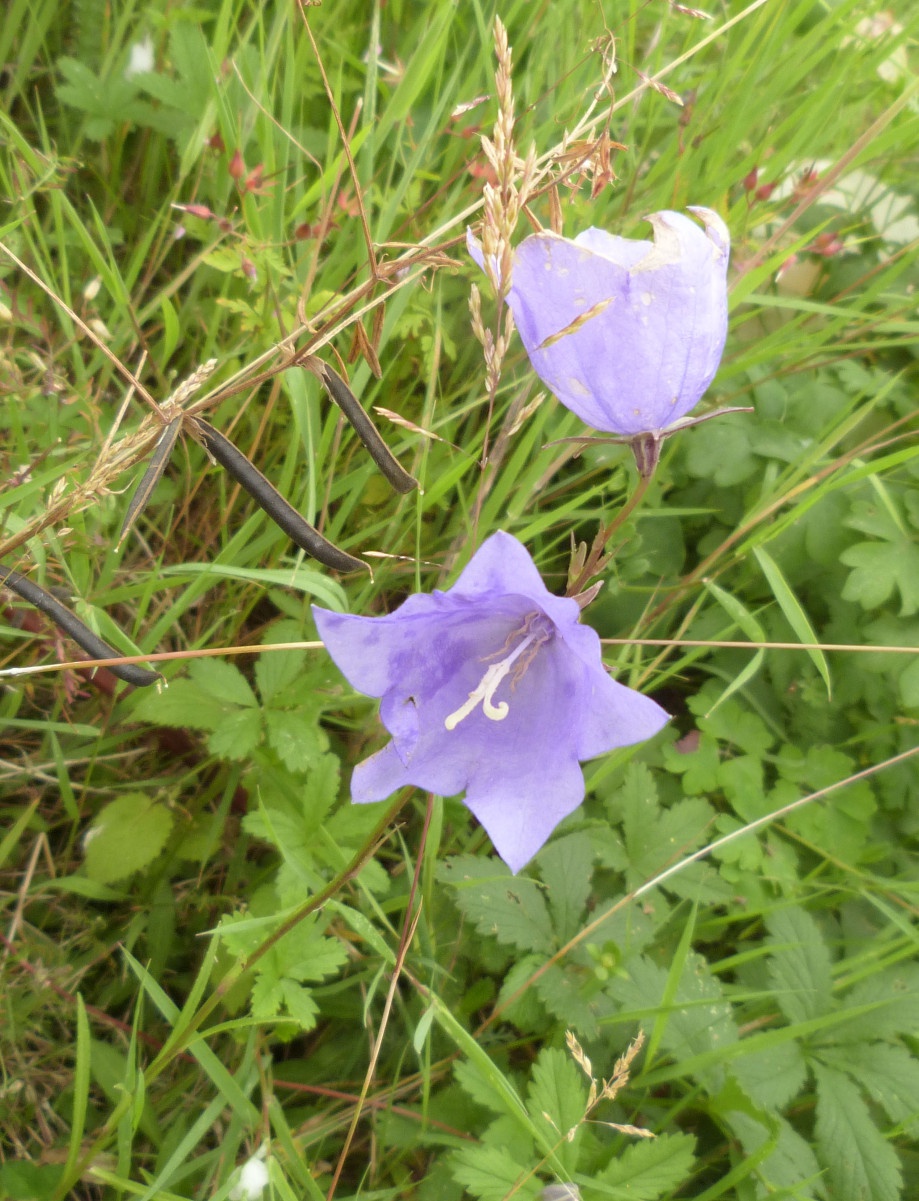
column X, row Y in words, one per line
column 207, row 953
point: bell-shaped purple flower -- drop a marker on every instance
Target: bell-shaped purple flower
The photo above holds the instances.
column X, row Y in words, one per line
column 627, row 334
column 493, row 687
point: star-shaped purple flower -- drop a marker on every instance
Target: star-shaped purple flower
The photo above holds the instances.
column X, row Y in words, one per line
column 493, row 687
column 627, row 334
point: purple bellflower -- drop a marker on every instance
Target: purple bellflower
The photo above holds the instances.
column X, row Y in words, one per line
column 493, row 687
column 627, row 334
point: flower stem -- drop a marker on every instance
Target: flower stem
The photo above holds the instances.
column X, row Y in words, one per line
column 596, row 559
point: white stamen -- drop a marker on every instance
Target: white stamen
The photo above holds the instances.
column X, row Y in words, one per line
column 488, row 686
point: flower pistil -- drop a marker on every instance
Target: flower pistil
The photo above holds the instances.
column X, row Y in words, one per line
column 536, row 633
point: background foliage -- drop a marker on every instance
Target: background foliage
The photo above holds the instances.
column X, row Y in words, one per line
column 208, row 954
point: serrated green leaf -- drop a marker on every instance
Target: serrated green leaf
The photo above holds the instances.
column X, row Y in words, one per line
column 655, row 839
column 794, row 612
column 491, row 1174
column 556, row 1099
column 509, row 908
column 298, row 742
column 315, row 959
column 566, row 865
column 895, row 994
column 182, row 705
column 734, row 724
column 649, row 1169
column 724, row 455
column 238, row 734
column 105, row 101
column 276, row 670
column 878, row 569
column 698, row 1018
column 526, row 1011
column 742, row 782
column 223, row 681
column 772, row 1078
column 267, row 997
column 781, row 1160
column 299, row 1003
column 888, row 1073
column 477, row 1086
column 699, row 768
column 799, row 965
column 860, row 1163
column 126, row 835
column 563, row 994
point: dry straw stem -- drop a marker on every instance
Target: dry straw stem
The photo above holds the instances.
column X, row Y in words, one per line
column 671, row 643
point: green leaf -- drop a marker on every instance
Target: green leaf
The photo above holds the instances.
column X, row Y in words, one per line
column 894, row 994
column 276, row 670
column 799, row 965
column 557, row 1098
column 21, row 1180
column 724, row 455
column 81, row 1075
column 223, row 681
column 526, row 1011
column 787, row 1168
column 566, row 866
column 772, row 1077
column 126, row 835
column 267, row 997
column 698, row 1018
column 563, row 994
column 106, row 102
column 861, row 1165
column 649, row 1169
column 733, row 723
column 302, row 579
column 492, row 1174
column 238, row 734
column 739, row 613
column 889, row 1074
column 882, row 566
column 654, row 838
column 741, row 780
column 794, row 612
column 477, row 1086
column 699, row 768
column 909, row 685
column 510, row 908
column 182, row 705
column 296, row 738
column 299, row 1003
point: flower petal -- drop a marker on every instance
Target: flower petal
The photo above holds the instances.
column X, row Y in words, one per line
column 628, row 334
column 610, row 714
column 521, row 812
column 503, row 565
column 493, row 688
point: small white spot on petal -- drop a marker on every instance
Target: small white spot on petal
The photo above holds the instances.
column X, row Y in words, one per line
column 646, row 298
column 576, row 386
